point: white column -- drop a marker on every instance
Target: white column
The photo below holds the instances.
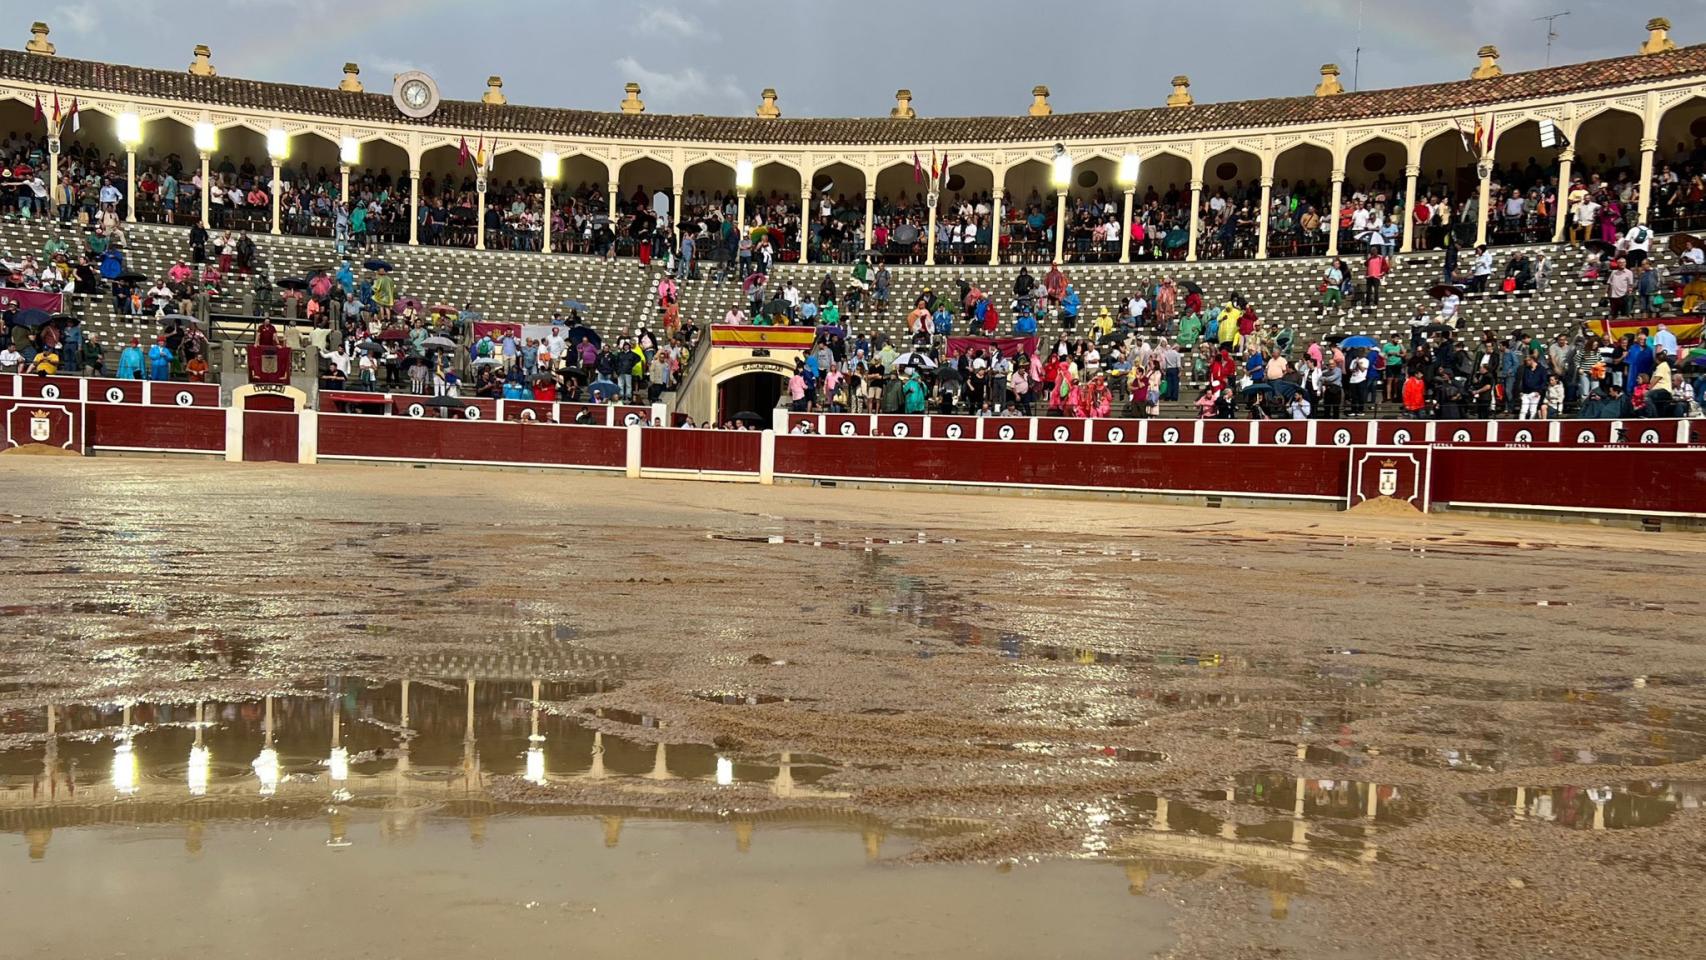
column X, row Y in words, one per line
column 206, row 188
column 930, row 233
column 545, row 223
column 343, row 182
column 277, row 195
column 610, row 189
column 53, row 183
column 1408, row 213
column 870, row 214
column 1333, row 213
column 995, row 228
column 1262, row 218
column 677, row 212
column 1646, row 196
column 130, row 186
column 480, row 211
column 414, row 208
column 1560, row 216
column 1483, row 198
column 1125, row 225
column 740, row 213
column 1196, row 219
column 805, row 220
column 1059, row 224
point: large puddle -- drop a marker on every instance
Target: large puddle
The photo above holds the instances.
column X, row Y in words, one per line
column 362, row 818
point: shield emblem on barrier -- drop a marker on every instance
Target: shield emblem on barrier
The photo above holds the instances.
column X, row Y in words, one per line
column 269, row 363
column 41, row 428
column 1388, row 483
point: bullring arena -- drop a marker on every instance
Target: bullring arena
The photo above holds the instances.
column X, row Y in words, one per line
column 1135, row 533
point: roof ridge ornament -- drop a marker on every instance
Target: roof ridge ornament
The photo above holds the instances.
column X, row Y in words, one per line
column 202, row 65
column 1489, row 67
column 1181, row 95
column 494, row 95
column 351, row 83
column 38, row 40
column 632, row 102
column 1329, row 85
column 903, row 106
column 1658, row 37
column 1039, row 103
column 768, row 109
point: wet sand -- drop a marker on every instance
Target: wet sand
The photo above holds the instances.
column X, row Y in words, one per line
column 1294, row 732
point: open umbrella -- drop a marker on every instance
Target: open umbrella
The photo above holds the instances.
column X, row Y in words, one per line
column 753, row 280
column 1190, row 286
column 65, row 318
column 575, row 305
column 376, row 264
column 407, row 303
column 1351, row 343
column 176, row 318
column 837, row 333
column 445, row 402
column 131, row 276
column 441, row 308
column 1438, row 328
column 582, row 332
column 747, row 416
column 1695, row 358
column 1439, row 291
column 915, row 359
column 395, row 333
column 32, row 318
column 371, row 346
column 1258, row 389
column 488, row 362
column 293, row 283
column 1680, row 242
column 1601, row 246
column 603, row 387
column 776, row 308
column 444, row 343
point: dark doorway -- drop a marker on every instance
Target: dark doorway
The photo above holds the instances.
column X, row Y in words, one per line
column 749, row 393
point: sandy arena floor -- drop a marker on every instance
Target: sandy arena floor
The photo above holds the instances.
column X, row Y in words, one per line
column 1298, row 733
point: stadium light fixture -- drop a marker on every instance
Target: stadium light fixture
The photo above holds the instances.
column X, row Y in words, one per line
column 1128, row 170
column 205, row 137
column 278, row 144
column 549, row 164
column 1551, row 138
column 1062, row 174
column 743, row 174
column 129, row 129
column 349, row 151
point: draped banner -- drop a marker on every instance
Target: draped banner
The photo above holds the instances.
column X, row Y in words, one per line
column 771, row 338
column 1686, row 329
column 12, row 298
column 1008, row 346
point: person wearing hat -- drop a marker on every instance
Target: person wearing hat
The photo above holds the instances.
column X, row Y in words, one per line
column 130, row 361
column 159, row 360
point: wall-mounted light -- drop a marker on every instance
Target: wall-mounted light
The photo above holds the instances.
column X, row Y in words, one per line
column 1062, row 167
column 549, row 165
column 743, row 174
column 129, row 129
column 349, row 151
column 1128, row 169
column 278, row 144
column 205, row 137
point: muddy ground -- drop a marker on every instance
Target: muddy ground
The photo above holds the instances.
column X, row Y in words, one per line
column 1308, row 733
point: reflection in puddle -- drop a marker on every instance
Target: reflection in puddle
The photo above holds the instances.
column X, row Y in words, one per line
column 1625, row 806
column 404, row 745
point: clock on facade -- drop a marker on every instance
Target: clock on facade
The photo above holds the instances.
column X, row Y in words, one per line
column 415, row 94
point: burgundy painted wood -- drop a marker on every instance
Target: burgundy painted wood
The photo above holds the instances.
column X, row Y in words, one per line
column 666, row 449
column 1669, row 479
column 269, row 436
column 1303, row 471
column 153, row 427
column 352, row 435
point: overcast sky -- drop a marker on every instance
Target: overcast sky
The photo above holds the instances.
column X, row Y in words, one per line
column 847, row 57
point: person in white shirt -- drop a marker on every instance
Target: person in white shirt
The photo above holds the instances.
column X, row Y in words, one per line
column 10, row 359
column 1636, row 245
column 1583, row 226
column 1483, row 269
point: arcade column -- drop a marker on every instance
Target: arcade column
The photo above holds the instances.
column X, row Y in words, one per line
column 268, row 420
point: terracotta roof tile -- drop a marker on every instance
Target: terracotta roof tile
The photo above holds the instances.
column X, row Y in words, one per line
column 329, row 102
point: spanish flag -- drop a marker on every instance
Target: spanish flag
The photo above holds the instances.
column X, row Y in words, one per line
column 770, row 338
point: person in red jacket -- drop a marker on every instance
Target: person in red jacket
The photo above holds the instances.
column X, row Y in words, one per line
column 1415, row 395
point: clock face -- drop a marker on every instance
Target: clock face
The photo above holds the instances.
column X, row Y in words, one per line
column 415, row 94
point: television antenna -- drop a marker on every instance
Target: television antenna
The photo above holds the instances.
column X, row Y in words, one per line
column 1551, row 31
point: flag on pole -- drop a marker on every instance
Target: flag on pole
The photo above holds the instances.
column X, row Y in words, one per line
column 480, row 153
column 1462, row 134
column 917, row 168
column 57, row 117
column 76, row 118
column 935, row 171
column 39, row 116
column 1487, row 138
column 1480, row 133
column 462, row 153
column 492, row 156
column 944, row 168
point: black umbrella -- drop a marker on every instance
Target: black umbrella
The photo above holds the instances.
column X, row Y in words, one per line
column 293, row 283
column 776, row 308
column 32, row 318
column 65, row 318
column 747, row 416
column 371, row 346
column 1438, row 328
column 131, row 276
column 376, row 264
column 1601, row 246
column 1257, row 389
column 1190, row 286
column 1439, row 291
column 445, row 401
column 579, row 333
